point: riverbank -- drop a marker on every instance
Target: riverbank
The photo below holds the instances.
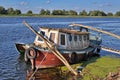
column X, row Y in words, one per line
column 58, row 16
column 97, row 68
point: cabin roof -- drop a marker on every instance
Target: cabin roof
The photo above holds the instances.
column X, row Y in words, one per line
column 64, row 30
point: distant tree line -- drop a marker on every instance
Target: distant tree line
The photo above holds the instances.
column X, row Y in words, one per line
column 11, row 11
column 82, row 13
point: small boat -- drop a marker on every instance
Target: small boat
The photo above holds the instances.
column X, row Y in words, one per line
column 74, row 44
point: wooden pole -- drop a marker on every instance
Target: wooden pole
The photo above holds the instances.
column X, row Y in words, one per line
column 110, row 50
column 94, row 29
column 52, row 48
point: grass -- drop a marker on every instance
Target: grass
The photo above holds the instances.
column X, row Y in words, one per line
column 98, row 67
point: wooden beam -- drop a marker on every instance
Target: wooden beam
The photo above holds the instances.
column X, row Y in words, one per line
column 110, row 50
column 94, row 29
column 73, row 31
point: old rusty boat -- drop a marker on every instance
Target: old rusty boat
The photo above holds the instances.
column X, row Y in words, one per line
column 74, row 44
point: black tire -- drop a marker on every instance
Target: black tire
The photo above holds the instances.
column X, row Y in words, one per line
column 86, row 57
column 34, row 53
column 98, row 50
column 73, row 57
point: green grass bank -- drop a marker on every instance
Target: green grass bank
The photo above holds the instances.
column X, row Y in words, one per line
column 97, row 68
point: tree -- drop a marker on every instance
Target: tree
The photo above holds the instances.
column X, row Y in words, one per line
column 10, row 11
column 2, row 10
column 101, row 13
column 65, row 12
column 29, row 12
column 83, row 13
column 57, row 12
column 71, row 12
column 97, row 13
column 17, row 11
column 109, row 14
column 48, row 12
column 117, row 13
column 92, row 13
column 42, row 12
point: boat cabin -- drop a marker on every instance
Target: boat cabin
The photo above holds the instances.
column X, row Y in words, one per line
column 64, row 38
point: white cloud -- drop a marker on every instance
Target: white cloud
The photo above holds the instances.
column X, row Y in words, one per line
column 77, row 8
column 23, row 3
column 105, row 5
column 48, row 2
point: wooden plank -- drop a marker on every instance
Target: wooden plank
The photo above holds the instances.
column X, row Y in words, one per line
column 73, row 31
column 110, row 50
column 94, row 29
column 67, row 31
column 107, row 49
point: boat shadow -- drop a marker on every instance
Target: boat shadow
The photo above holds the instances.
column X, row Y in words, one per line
column 90, row 60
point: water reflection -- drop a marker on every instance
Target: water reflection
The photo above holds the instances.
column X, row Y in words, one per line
column 43, row 74
column 52, row 74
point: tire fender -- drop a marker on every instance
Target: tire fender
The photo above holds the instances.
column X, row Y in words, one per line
column 29, row 51
column 73, row 57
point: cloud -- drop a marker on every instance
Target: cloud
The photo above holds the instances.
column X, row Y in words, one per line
column 108, row 4
column 48, row 1
column 105, row 5
column 23, row 3
column 94, row 3
column 77, row 8
column 102, row 4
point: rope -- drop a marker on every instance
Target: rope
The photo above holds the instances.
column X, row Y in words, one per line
column 23, row 36
column 37, row 68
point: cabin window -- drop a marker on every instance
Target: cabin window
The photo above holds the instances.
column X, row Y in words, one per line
column 80, row 37
column 62, row 39
column 85, row 37
column 83, row 29
column 52, row 37
column 75, row 37
column 42, row 33
column 39, row 39
column 70, row 37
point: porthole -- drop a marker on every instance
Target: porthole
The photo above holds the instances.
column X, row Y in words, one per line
column 80, row 37
column 85, row 38
column 75, row 37
column 70, row 37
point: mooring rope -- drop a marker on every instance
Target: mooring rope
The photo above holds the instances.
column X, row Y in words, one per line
column 23, row 36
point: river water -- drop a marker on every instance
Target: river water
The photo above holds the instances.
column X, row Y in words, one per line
column 12, row 31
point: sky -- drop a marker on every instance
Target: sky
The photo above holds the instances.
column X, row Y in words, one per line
column 77, row 5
